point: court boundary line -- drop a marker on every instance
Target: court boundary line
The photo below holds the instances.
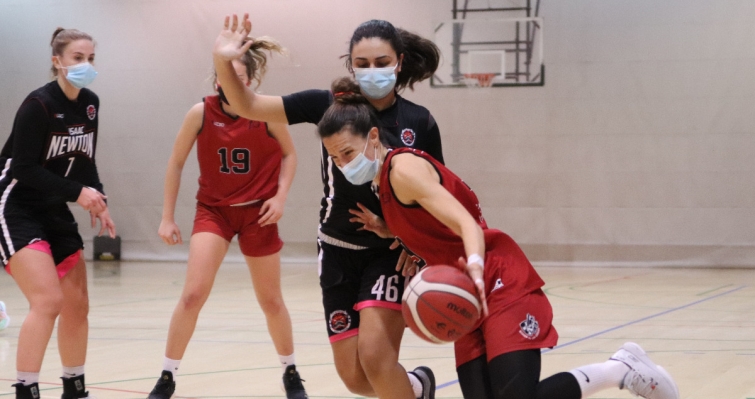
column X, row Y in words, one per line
column 620, row 326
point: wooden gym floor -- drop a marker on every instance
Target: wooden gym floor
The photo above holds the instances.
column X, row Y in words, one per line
column 697, row 323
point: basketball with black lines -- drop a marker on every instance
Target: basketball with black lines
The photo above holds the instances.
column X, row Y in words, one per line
column 440, row 304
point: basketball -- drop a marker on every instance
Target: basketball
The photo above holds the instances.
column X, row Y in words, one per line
column 440, row 304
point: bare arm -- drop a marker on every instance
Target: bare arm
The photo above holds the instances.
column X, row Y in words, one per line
column 185, row 139
column 415, row 181
column 272, row 209
column 229, row 46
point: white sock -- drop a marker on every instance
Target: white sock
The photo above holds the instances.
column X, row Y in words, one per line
column 171, row 365
column 27, row 378
column 70, row 372
column 416, row 384
column 287, row 360
column 596, row 377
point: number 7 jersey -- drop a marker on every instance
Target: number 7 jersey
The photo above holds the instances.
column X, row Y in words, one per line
column 239, row 161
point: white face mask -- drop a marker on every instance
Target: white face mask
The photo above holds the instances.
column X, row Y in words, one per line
column 80, row 75
column 376, row 83
column 360, row 170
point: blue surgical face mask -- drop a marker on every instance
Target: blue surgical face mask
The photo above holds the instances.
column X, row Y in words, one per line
column 360, row 170
column 81, row 75
column 376, row 83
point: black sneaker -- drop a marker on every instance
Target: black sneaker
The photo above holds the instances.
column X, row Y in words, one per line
column 292, row 383
column 164, row 388
column 427, row 378
column 73, row 388
column 27, row 391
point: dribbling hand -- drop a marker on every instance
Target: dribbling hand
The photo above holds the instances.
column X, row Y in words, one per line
column 92, row 200
column 169, row 232
column 474, row 270
column 229, row 45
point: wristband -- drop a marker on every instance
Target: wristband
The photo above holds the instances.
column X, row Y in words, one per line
column 475, row 258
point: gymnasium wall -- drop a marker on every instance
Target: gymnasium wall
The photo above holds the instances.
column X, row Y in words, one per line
column 639, row 150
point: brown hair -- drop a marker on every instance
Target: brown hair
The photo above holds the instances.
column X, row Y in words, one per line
column 61, row 38
column 255, row 59
column 421, row 56
column 350, row 109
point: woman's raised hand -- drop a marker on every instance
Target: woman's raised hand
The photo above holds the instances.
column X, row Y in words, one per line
column 230, row 44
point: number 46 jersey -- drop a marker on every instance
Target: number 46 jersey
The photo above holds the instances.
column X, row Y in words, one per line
column 239, row 161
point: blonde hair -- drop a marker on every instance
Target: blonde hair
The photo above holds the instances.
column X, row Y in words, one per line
column 61, row 38
column 255, row 58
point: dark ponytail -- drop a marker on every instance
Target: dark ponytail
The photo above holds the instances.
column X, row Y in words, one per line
column 421, row 56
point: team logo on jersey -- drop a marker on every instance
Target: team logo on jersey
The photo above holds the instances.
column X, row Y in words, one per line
column 339, row 321
column 529, row 328
column 75, row 141
column 60, row 116
column 407, row 137
column 219, row 124
column 91, row 112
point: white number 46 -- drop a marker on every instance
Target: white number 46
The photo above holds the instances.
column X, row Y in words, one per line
column 391, row 289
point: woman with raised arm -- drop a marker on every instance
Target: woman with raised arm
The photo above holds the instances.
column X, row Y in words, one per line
column 246, row 170
column 439, row 219
column 49, row 160
column 360, row 271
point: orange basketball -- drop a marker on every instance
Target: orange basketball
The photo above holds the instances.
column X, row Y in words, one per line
column 440, row 304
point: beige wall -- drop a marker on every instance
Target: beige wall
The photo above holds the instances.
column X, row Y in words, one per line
column 639, row 150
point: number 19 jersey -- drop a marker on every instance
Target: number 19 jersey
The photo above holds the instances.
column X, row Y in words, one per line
column 239, row 161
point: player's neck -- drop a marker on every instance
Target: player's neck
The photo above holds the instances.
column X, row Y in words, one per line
column 381, row 153
column 384, row 102
column 71, row 92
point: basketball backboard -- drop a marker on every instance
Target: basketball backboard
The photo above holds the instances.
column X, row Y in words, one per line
column 501, row 52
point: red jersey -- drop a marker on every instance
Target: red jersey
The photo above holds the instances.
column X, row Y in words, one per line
column 433, row 243
column 239, row 162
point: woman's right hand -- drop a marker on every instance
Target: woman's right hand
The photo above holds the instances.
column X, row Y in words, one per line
column 230, row 45
column 170, row 233
column 92, row 200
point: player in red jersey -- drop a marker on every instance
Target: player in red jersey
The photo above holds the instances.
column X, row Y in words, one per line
column 437, row 217
column 246, row 170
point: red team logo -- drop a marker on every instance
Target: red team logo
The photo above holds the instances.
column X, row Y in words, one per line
column 408, row 136
column 91, row 112
column 339, row 322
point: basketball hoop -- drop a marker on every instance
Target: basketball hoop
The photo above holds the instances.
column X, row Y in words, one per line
column 479, row 79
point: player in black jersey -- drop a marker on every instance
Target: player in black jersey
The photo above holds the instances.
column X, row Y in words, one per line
column 49, row 160
column 360, row 272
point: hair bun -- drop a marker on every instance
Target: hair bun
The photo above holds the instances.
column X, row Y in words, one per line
column 346, row 91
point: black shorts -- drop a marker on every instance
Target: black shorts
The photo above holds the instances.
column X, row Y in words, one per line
column 25, row 224
column 352, row 280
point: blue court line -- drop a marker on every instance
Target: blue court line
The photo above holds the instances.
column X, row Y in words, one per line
column 441, row 386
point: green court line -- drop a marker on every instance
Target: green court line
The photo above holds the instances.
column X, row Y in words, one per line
column 714, row 289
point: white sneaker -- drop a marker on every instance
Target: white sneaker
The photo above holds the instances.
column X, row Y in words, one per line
column 4, row 319
column 645, row 378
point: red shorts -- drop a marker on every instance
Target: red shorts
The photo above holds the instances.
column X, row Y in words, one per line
column 228, row 221
column 520, row 325
column 520, row 314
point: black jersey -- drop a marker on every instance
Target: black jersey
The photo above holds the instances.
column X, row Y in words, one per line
column 408, row 125
column 49, row 155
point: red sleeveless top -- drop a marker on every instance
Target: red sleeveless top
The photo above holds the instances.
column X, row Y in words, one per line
column 433, row 243
column 239, row 162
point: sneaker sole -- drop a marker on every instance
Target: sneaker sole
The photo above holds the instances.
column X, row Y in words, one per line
column 640, row 353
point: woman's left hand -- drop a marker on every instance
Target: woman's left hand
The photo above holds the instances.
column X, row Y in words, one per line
column 474, row 270
column 370, row 221
column 271, row 211
column 106, row 223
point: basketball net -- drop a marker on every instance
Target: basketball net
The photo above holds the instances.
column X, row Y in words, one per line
column 482, row 79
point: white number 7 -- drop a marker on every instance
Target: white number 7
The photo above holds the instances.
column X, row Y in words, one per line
column 69, row 166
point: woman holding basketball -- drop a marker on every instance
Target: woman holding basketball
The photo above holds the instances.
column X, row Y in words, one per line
column 360, row 284
column 49, row 160
column 246, row 170
column 438, row 217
